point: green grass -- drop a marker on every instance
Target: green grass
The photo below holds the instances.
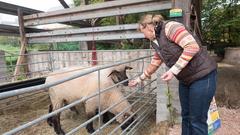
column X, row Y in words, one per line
column 9, row 48
column 10, row 56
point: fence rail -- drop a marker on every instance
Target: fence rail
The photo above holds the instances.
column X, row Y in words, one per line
column 120, row 7
column 39, row 64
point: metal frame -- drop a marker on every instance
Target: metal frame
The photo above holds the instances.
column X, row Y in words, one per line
column 44, row 86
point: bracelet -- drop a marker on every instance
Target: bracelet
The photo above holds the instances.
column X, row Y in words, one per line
column 138, row 80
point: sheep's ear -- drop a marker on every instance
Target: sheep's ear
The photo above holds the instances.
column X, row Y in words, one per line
column 114, row 72
column 128, row 68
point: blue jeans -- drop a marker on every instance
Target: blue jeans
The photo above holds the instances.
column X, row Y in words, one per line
column 195, row 100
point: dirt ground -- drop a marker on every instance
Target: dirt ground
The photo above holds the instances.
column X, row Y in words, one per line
column 228, row 86
column 230, row 123
column 13, row 118
column 38, row 107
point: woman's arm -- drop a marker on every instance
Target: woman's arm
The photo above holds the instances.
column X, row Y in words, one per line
column 151, row 68
column 177, row 33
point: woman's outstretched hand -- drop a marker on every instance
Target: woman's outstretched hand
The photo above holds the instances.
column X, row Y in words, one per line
column 167, row 76
column 133, row 83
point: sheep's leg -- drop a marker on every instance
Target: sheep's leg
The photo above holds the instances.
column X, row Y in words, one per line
column 57, row 125
column 90, row 109
column 74, row 109
column 107, row 116
column 49, row 120
column 56, row 118
column 89, row 126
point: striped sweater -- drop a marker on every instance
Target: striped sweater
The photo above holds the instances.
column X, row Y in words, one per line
column 177, row 33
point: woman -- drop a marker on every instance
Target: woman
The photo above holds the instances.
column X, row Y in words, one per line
column 189, row 62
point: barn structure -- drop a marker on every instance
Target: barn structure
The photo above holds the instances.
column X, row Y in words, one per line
column 26, row 85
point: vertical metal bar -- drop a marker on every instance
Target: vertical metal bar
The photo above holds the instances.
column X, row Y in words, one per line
column 142, row 88
column 11, row 63
column 50, row 62
column 53, row 61
column 138, row 57
column 68, row 59
column 60, row 65
column 112, row 57
column 81, row 59
column 99, row 102
column 150, row 53
column 121, row 55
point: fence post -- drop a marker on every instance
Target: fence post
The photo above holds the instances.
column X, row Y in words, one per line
column 99, row 102
column 51, row 64
column 162, row 98
column 23, row 41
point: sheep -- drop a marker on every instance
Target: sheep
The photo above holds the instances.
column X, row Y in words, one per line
column 84, row 86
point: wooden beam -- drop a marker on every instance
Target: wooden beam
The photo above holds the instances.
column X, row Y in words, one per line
column 63, row 3
column 23, row 41
column 119, row 7
column 11, row 9
column 10, row 30
column 7, row 8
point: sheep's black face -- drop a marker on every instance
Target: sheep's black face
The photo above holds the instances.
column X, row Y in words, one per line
column 119, row 76
column 123, row 76
column 127, row 123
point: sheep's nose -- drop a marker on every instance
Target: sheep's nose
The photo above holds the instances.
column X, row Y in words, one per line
column 125, row 83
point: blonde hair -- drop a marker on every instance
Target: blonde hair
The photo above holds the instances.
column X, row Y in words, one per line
column 149, row 19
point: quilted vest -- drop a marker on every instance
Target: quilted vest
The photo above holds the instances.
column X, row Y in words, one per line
column 199, row 66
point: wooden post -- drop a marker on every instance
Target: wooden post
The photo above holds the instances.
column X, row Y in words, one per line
column 94, row 52
column 23, row 42
column 63, row 3
column 185, row 6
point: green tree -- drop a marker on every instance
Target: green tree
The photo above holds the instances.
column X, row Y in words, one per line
column 221, row 21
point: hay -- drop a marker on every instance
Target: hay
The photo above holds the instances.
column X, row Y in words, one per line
column 14, row 117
